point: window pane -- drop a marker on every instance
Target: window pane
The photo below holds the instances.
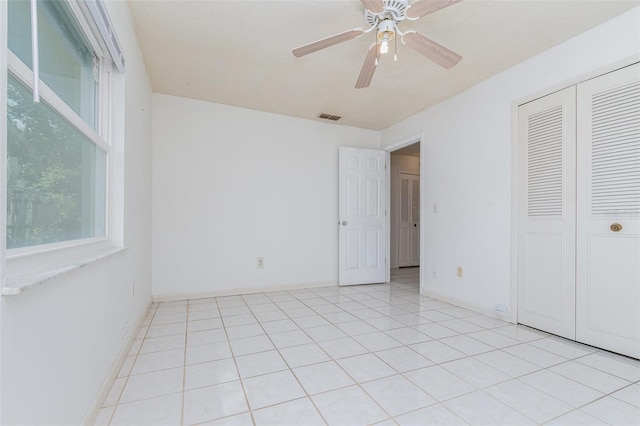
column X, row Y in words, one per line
column 56, row 175
column 67, row 63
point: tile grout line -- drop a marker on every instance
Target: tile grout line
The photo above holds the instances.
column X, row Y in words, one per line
column 126, row 378
column 308, row 396
column 396, row 306
column 235, row 363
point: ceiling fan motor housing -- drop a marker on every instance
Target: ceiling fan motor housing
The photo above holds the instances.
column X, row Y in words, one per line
column 393, row 9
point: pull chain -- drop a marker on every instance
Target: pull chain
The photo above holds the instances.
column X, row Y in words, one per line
column 395, row 48
column 377, row 48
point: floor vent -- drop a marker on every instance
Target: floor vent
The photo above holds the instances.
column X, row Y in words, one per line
column 330, row 117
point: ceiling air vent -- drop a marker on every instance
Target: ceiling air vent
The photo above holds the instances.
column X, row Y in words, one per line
column 330, row 117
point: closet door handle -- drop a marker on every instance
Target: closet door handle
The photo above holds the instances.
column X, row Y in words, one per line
column 616, row 227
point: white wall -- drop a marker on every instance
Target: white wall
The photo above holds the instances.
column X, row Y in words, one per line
column 231, row 184
column 399, row 164
column 60, row 340
column 466, row 153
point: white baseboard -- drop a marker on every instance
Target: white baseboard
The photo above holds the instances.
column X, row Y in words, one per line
column 244, row 290
column 93, row 412
column 504, row 316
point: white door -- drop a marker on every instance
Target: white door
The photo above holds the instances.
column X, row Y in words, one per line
column 409, row 226
column 362, row 203
column 546, row 243
column 608, row 227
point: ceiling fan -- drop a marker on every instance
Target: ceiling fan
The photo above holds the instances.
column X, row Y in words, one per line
column 384, row 16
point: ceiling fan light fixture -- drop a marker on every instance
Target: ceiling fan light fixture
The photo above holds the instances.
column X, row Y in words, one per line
column 386, row 30
column 384, row 46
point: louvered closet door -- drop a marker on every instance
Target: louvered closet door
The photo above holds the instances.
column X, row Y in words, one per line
column 608, row 259
column 546, row 252
column 409, row 227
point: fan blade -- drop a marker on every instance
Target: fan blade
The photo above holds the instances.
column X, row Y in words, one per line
column 326, row 42
column 368, row 68
column 432, row 50
column 376, row 6
column 425, row 7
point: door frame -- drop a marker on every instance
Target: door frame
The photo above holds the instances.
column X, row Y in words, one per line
column 512, row 315
column 411, row 140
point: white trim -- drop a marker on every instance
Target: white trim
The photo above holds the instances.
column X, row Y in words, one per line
column 22, row 72
column 515, row 211
column 3, row 143
column 87, row 29
column 3, row 161
column 514, row 162
column 244, row 290
column 94, row 410
column 387, row 218
column 105, row 129
column 423, row 211
column 17, row 253
column 98, row 13
column 35, row 52
column 417, row 138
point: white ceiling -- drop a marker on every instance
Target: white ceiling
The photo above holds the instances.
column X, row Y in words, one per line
column 238, row 52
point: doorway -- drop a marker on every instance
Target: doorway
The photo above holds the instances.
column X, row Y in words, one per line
column 405, row 211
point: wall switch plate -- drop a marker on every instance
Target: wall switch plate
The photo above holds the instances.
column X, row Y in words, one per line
column 260, row 262
column 459, row 271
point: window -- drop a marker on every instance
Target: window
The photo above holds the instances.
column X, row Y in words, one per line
column 57, row 149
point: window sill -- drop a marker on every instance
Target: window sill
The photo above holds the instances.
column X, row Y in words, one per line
column 21, row 282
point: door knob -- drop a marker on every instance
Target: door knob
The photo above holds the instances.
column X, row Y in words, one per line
column 415, row 224
column 344, row 223
column 616, row 227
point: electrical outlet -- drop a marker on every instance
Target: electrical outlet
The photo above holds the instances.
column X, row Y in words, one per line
column 502, row 308
column 434, row 274
column 459, row 271
column 260, row 262
column 435, row 208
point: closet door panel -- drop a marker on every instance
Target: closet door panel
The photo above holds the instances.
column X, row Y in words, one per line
column 546, row 243
column 608, row 215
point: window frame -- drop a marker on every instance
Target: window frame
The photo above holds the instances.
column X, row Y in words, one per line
column 3, row 141
column 101, row 137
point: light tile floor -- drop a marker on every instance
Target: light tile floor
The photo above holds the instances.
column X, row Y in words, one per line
column 371, row 354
